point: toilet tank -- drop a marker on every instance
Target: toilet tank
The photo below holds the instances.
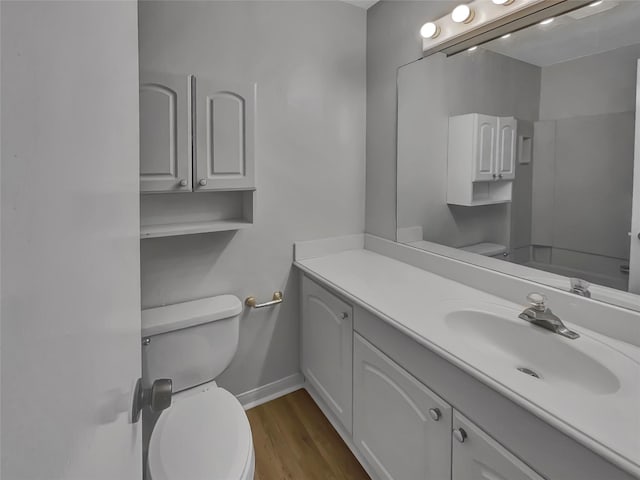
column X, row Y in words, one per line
column 192, row 342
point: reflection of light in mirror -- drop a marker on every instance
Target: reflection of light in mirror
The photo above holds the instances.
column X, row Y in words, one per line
column 473, row 49
column 503, row 2
column 547, row 21
column 462, row 14
column 595, row 4
column 430, row 30
column 504, row 37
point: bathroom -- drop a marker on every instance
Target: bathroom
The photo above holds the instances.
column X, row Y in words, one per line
column 347, row 342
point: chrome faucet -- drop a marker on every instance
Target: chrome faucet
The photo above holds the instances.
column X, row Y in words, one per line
column 580, row 287
column 540, row 315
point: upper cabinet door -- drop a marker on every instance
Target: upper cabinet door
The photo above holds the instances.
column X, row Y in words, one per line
column 485, row 128
column 478, row 456
column 401, row 427
column 225, row 131
column 327, row 348
column 165, row 134
column 506, row 155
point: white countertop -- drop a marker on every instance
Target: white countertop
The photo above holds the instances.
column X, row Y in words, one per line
column 416, row 302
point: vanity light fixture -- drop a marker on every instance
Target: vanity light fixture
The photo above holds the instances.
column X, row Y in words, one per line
column 503, row 2
column 462, row 14
column 547, row 21
column 430, row 30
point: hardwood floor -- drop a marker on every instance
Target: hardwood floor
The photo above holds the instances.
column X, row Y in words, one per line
column 294, row 440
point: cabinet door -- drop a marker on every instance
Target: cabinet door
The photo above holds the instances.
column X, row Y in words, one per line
column 393, row 426
column 506, row 155
column 484, row 147
column 225, row 124
column 165, row 133
column 327, row 348
column 478, row 456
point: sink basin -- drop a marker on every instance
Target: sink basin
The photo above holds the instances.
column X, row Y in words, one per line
column 527, row 349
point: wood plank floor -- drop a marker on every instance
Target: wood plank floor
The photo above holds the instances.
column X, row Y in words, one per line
column 294, row 440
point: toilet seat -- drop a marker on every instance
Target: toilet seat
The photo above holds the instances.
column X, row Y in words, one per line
column 204, row 435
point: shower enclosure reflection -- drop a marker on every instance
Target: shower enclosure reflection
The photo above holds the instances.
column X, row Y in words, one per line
column 523, row 149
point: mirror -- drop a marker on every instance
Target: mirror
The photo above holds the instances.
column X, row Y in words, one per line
column 518, row 154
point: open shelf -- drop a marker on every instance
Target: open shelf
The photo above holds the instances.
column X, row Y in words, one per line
column 172, row 214
column 190, row 228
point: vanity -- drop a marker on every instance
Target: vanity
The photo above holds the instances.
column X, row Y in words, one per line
column 426, row 377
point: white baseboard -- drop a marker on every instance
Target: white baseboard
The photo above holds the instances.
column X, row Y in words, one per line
column 271, row 391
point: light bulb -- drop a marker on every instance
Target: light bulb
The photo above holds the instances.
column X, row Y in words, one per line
column 473, row 49
column 430, row 30
column 462, row 14
column 503, row 2
column 506, row 36
column 547, row 21
column 595, row 4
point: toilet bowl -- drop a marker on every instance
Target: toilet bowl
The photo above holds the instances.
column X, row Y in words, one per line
column 205, row 433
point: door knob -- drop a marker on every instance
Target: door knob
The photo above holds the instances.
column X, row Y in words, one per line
column 460, row 435
column 203, row 182
column 183, row 183
column 435, row 414
column 158, row 397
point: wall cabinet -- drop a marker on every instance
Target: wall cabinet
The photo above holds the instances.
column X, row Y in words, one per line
column 165, row 133
column 476, row 455
column 401, row 427
column 327, row 348
column 196, row 135
column 481, row 159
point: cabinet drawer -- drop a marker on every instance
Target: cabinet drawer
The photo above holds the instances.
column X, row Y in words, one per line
column 401, row 427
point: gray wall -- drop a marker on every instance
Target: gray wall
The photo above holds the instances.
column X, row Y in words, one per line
column 308, row 59
column 429, row 92
column 393, row 40
column 583, row 166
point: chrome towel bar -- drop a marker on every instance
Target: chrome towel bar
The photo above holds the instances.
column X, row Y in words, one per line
column 275, row 300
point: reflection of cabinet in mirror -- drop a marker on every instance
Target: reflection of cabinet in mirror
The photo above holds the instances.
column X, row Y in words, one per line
column 481, row 159
column 196, row 135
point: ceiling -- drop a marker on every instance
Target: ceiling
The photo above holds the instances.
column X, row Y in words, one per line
column 362, row 3
column 610, row 25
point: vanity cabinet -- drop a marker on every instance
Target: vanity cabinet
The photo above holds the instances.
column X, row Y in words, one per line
column 476, row 455
column 401, row 427
column 481, row 159
column 327, row 348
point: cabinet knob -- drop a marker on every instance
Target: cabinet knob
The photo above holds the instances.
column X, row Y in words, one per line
column 183, row 183
column 435, row 414
column 344, row 315
column 500, row 175
column 494, row 175
column 460, row 435
column 203, row 182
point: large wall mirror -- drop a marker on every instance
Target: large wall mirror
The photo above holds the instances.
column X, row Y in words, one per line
column 518, row 154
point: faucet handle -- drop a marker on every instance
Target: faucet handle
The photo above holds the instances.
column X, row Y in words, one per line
column 537, row 301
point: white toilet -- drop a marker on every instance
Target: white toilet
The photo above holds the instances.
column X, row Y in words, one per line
column 205, row 433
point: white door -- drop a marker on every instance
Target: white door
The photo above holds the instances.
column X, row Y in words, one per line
column 165, row 132
column 634, row 257
column 506, row 152
column 225, row 134
column 484, row 144
column 478, row 456
column 70, row 292
column 327, row 348
column 401, row 427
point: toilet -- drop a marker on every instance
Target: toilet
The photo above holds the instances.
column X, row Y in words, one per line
column 205, row 433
